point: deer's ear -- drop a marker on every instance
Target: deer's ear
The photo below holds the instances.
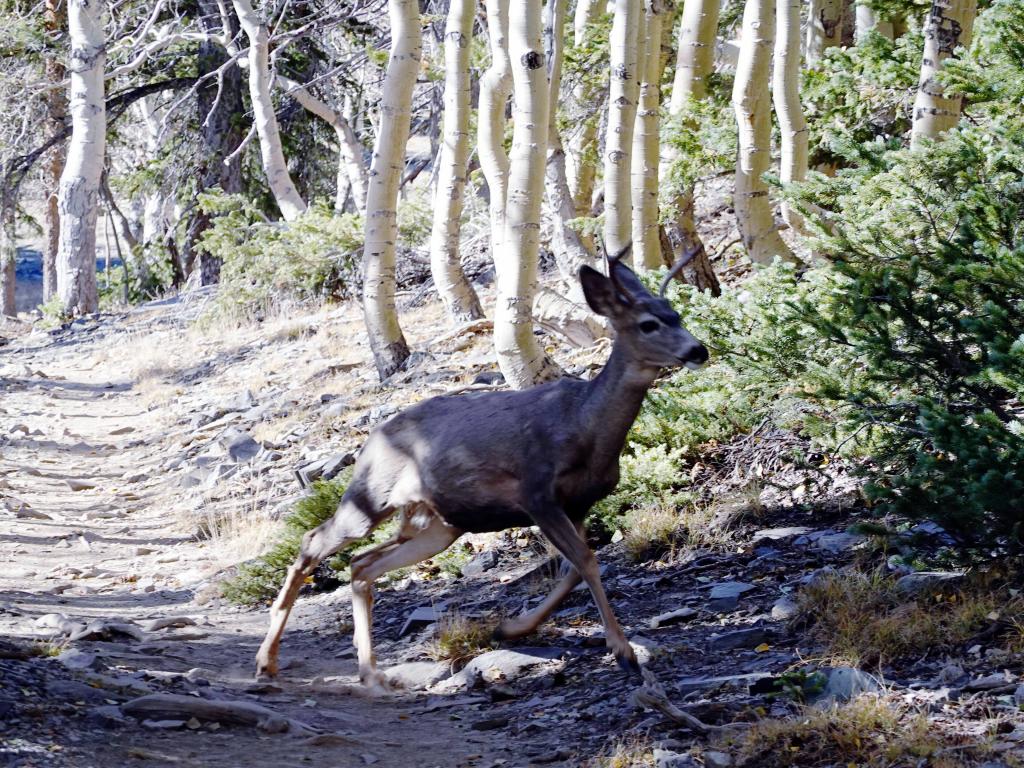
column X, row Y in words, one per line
column 627, row 281
column 599, row 291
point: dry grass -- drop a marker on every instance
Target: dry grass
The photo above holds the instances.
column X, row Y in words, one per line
column 868, row 732
column 650, row 532
column 238, row 532
column 460, row 639
column 632, row 752
column 864, row 621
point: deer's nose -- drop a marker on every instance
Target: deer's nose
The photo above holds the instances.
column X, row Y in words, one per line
column 695, row 355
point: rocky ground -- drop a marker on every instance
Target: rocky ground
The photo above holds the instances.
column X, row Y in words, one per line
column 142, row 457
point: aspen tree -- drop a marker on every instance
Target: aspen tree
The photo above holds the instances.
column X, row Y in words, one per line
column 458, row 296
column 581, row 168
column 646, row 239
column 521, row 359
column 570, row 251
column 8, row 261
column 824, row 28
column 55, row 19
column 622, row 97
column 950, row 24
column 788, row 109
column 495, row 88
column 78, row 194
column 386, row 339
column 751, row 100
column 271, row 152
column 695, row 59
column 867, row 20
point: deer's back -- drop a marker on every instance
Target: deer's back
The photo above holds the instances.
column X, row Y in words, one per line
column 483, row 459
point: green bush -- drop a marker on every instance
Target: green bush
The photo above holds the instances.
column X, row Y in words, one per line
column 259, row 580
column 264, row 262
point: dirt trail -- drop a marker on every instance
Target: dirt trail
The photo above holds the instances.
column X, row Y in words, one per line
column 88, row 533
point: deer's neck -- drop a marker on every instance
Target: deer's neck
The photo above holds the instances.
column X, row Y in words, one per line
column 614, row 401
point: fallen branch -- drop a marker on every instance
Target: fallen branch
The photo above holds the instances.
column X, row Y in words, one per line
column 169, row 706
column 653, row 696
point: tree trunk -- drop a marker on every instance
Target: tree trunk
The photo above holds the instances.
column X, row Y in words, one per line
column 824, row 28
column 495, row 87
column 570, row 251
column 751, row 99
column 622, row 96
column 788, row 109
column 386, row 340
column 271, row 153
column 520, row 357
column 646, row 237
column 581, row 169
column 55, row 21
column 868, row 20
column 695, row 60
column 949, row 25
column 8, row 261
column 458, row 296
column 78, row 197
column 695, row 57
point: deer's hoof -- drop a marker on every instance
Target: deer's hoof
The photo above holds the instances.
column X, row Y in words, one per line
column 266, row 668
column 509, row 629
column 375, row 683
column 629, row 663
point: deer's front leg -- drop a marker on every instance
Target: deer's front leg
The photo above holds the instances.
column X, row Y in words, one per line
column 555, row 524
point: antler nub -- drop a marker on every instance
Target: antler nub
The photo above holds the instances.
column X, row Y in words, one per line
column 676, row 269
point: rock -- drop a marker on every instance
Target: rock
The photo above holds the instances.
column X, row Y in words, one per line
column 502, row 665
column 725, row 597
column 25, row 512
column 740, row 638
column 369, row 758
column 818, row 576
column 845, row 683
column 489, row 377
column 421, row 617
column 644, row 648
column 75, row 659
column 713, row 759
column 1018, row 695
column 418, row 675
column 101, row 629
column 163, row 725
column 154, row 625
column 664, row 758
column 914, row 584
column 58, row 623
column 988, row 682
column 489, row 724
column 485, row 561
column 105, row 716
column 79, row 485
column 700, row 683
column 837, row 543
column 239, row 445
column 671, row 617
column 778, row 534
column 122, row 430
column 785, row 608
column 952, row 674
column 72, row 690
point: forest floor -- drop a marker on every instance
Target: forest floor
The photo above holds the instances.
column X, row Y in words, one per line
column 141, row 457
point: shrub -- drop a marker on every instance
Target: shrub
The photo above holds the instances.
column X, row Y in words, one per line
column 460, row 638
column 264, row 262
column 260, row 580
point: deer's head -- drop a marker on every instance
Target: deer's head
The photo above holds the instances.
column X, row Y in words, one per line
column 646, row 324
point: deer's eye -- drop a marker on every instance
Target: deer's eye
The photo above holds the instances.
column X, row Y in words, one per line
column 648, row 326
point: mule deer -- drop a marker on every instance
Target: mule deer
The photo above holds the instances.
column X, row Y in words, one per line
column 494, row 460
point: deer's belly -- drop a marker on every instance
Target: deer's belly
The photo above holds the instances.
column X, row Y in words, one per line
column 484, row 519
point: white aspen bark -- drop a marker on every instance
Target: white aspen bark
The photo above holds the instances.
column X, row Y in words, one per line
column 581, row 168
column 570, row 251
column 78, row 195
column 824, row 28
column 8, row 262
column 55, row 19
column 788, row 108
column 495, row 88
column 646, row 238
column 521, row 358
column 352, row 173
column 457, row 295
column 695, row 56
column 622, row 97
column 950, row 24
column 867, row 19
column 271, row 153
column 695, row 61
column 751, row 100
column 386, row 339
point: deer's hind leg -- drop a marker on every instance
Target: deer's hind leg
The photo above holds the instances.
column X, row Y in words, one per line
column 422, row 534
column 354, row 519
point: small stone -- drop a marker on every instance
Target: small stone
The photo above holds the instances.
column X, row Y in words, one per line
column 671, row 617
column 845, row 683
column 785, row 608
column 122, row 430
column 163, row 725
column 988, row 682
column 421, row 617
column 664, row 758
column 778, row 534
column 914, row 584
column 740, row 638
column 725, row 597
column 418, row 675
column 485, row 561
column 369, row 758
column 1018, row 695
column 715, row 759
column 489, row 724
column 79, row 485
